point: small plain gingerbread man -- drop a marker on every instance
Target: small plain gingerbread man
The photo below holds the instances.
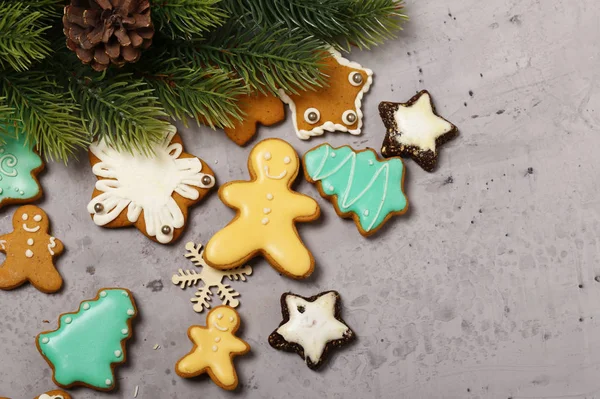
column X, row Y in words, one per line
column 267, row 209
column 30, row 252
column 214, row 348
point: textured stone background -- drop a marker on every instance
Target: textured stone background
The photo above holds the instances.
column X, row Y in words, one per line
column 487, row 288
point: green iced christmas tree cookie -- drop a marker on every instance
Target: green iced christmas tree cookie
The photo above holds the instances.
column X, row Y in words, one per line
column 19, row 166
column 359, row 184
column 88, row 344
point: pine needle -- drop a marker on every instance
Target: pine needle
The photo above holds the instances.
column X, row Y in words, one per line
column 187, row 18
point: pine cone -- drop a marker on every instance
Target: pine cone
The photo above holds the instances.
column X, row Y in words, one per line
column 105, row 31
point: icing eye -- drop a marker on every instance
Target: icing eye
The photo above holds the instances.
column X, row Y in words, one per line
column 286, row 160
column 231, row 319
column 301, row 308
column 25, row 216
column 355, row 78
column 37, row 218
column 220, row 316
column 267, row 156
column 349, row 117
column 312, row 115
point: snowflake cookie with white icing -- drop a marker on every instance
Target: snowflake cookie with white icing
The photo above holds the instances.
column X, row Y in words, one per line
column 360, row 185
column 311, row 327
column 56, row 394
column 19, row 167
column 152, row 192
column 415, row 130
column 337, row 105
column 30, row 252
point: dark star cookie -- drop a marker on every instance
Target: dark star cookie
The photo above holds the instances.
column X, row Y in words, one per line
column 311, row 327
column 415, row 130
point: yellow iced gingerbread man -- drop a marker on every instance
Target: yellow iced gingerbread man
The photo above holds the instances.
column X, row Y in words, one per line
column 214, row 348
column 267, row 209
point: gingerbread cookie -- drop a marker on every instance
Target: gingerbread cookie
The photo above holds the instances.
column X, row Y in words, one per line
column 19, row 167
column 415, row 130
column 56, row 394
column 311, row 327
column 335, row 107
column 265, row 109
column 151, row 192
column 215, row 346
column 359, row 184
column 267, row 210
column 90, row 343
column 30, row 252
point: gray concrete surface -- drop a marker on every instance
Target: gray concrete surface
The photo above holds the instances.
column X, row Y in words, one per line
column 488, row 288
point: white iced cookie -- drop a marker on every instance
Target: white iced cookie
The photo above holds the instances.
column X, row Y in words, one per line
column 311, row 327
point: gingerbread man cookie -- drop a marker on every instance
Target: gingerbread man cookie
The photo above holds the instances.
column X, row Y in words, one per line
column 214, row 348
column 265, row 109
column 334, row 107
column 56, row 394
column 30, row 252
column 267, row 209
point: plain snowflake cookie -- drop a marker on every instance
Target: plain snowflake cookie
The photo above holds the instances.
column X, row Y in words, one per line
column 336, row 107
column 151, row 192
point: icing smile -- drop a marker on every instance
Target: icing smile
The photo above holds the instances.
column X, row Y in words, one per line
column 220, row 328
column 30, row 229
column 281, row 175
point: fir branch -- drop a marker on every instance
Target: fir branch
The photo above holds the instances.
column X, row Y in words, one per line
column 120, row 109
column 6, row 115
column 22, row 38
column 340, row 23
column 207, row 95
column 186, row 18
column 264, row 60
column 47, row 112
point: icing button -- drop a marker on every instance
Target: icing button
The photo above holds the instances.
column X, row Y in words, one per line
column 68, row 320
column 269, row 196
column 214, row 348
column 108, row 382
column 86, row 306
column 217, row 339
column 29, row 253
column 118, row 353
column 366, row 212
column 265, row 221
column 103, row 294
column 30, row 241
column 266, row 211
column 130, row 312
column 124, row 331
column 45, row 340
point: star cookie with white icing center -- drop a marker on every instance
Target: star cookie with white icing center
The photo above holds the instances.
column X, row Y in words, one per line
column 415, row 130
column 311, row 327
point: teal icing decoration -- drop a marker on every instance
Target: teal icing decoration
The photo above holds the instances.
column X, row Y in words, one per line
column 17, row 162
column 87, row 343
column 364, row 185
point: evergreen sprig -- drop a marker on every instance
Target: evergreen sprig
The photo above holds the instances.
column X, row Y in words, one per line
column 205, row 56
column 22, row 38
column 48, row 114
column 264, row 60
column 187, row 18
column 341, row 23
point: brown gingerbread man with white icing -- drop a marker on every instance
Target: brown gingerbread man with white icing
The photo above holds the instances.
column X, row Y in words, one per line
column 30, row 252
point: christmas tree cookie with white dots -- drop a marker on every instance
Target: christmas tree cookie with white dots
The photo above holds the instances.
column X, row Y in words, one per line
column 88, row 344
column 19, row 167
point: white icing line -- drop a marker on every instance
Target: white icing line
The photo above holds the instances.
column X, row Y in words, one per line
column 30, row 230
column 218, row 327
column 137, row 389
